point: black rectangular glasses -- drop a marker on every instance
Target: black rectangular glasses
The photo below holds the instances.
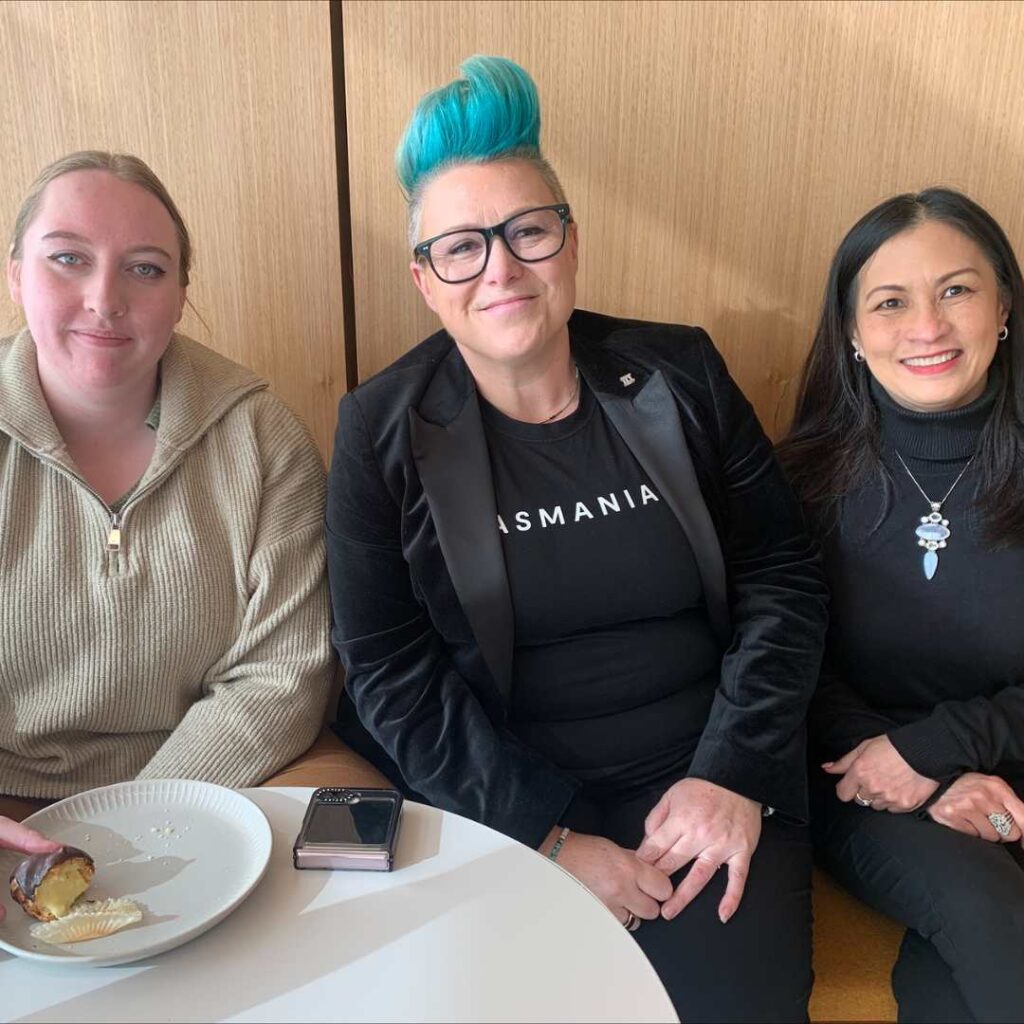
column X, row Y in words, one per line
column 531, row 236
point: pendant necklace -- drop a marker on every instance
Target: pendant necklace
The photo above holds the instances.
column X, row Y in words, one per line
column 572, row 395
column 934, row 530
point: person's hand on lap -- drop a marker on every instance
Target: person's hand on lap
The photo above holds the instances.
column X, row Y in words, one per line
column 622, row 883
column 699, row 822
column 969, row 801
column 875, row 773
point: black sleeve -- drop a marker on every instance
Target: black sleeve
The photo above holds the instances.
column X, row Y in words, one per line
column 960, row 736
column 399, row 674
column 755, row 739
column 840, row 718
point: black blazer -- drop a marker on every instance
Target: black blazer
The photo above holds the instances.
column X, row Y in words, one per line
column 423, row 617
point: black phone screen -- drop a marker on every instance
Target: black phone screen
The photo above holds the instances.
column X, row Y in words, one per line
column 362, row 822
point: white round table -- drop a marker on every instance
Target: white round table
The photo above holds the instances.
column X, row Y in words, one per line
column 470, row 926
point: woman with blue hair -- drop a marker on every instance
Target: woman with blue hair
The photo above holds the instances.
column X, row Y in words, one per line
column 572, row 592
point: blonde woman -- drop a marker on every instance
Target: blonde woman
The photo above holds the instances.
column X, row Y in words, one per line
column 164, row 607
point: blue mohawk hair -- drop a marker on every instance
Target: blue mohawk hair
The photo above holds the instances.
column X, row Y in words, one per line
column 493, row 109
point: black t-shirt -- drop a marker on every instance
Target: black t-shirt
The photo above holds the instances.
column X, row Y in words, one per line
column 615, row 662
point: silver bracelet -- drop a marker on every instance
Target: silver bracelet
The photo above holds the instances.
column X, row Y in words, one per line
column 559, row 843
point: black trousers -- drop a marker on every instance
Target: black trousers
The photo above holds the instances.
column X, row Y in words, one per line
column 961, row 898
column 755, row 968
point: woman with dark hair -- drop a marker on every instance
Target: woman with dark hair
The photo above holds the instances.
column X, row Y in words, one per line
column 907, row 448
column 573, row 593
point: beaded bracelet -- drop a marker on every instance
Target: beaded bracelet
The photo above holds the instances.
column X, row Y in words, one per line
column 559, row 843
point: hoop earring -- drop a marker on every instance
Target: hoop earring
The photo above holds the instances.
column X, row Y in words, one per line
column 1004, row 333
column 858, row 356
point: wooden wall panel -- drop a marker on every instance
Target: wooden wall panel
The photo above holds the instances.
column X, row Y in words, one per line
column 714, row 153
column 231, row 104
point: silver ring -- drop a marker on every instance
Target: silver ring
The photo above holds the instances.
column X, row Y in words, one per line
column 632, row 922
column 1002, row 822
column 858, row 799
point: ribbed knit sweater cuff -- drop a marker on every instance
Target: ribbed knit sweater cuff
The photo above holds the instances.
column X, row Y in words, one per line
column 930, row 748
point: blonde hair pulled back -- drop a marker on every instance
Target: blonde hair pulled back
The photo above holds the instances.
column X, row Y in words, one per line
column 122, row 166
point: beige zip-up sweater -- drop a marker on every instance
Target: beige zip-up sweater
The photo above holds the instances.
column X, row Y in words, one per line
column 188, row 638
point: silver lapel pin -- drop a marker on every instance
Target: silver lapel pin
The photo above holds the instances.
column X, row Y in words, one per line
column 627, row 379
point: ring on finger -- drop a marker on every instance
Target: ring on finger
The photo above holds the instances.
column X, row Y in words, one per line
column 632, row 922
column 1002, row 822
column 863, row 801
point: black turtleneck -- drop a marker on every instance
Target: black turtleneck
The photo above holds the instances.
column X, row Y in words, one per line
column 936, row 664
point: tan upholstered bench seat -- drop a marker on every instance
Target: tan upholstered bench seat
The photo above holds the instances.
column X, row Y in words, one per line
column 854, row 950
column 329, row 762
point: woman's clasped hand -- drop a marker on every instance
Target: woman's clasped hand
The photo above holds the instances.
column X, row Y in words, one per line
column 875, row 773
column 973, row 800
column 623, row 882
column 707, row 827
column 695, row 824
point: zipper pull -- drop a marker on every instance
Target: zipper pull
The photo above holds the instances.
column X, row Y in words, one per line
column 114, row 537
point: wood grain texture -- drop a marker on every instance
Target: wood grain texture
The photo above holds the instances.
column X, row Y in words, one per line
column 714, row 153
column 231, row 104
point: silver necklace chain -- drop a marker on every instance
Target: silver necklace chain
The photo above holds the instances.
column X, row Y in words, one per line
column 933, row 531
column 572, row 398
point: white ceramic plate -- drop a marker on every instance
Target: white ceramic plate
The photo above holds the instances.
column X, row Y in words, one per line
column 187, row 852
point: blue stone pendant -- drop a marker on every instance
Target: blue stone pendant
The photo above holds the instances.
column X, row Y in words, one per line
column 931, row 563
column 932, row 534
